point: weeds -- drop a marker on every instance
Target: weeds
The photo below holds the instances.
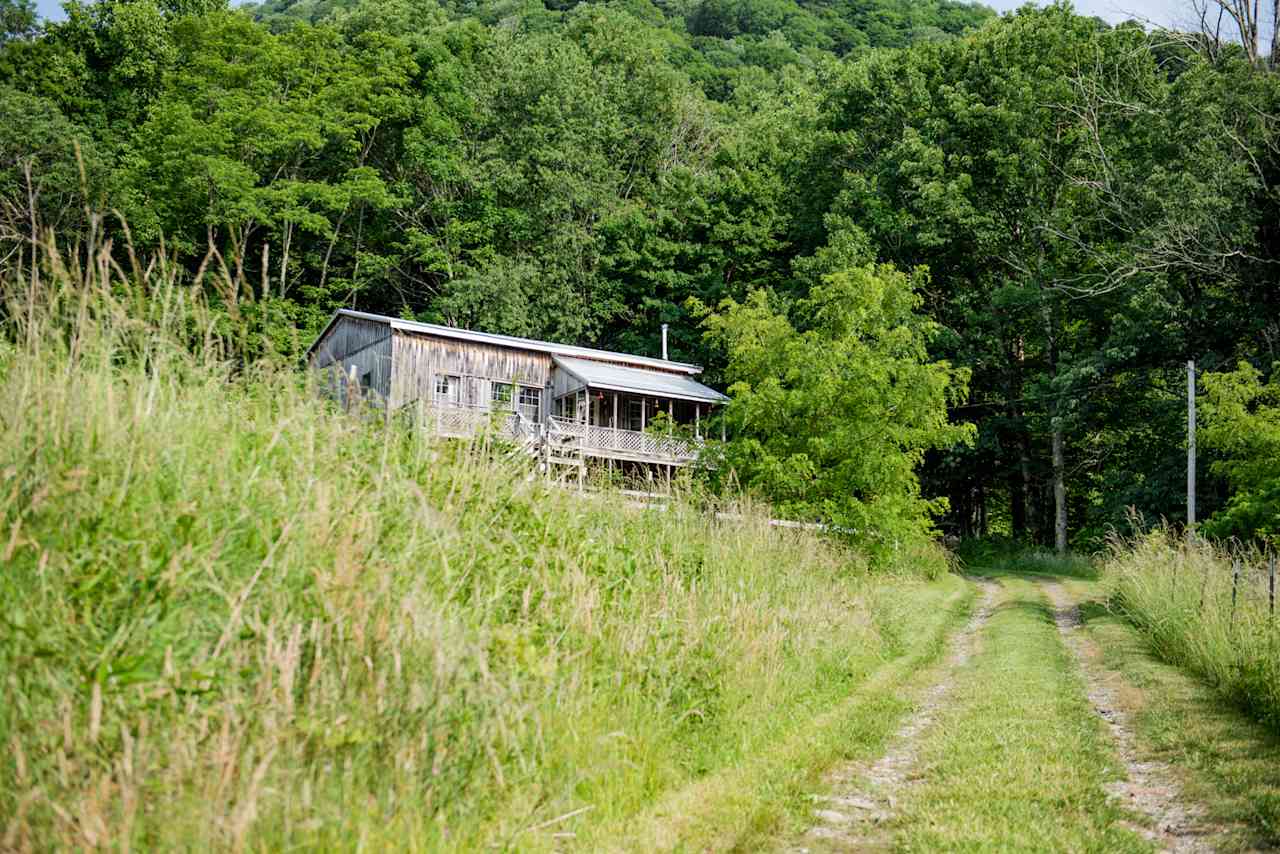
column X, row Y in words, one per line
column 233, row 617
column 1206, row 609
column 1010, row 556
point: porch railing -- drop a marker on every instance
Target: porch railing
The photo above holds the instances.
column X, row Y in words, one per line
column 461, row 421
column 633, row 442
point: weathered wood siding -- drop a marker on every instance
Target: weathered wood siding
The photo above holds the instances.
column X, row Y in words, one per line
column 420, row 358
column 360, row 344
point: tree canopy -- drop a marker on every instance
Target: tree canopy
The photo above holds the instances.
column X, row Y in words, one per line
column 836, row 401
column 935, row 216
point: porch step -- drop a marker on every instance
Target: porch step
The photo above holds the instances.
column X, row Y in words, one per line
column 565, row 461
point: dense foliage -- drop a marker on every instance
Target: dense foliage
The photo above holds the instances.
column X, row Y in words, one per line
column 1094, row 206
column 1243, row 425
column 832, row 419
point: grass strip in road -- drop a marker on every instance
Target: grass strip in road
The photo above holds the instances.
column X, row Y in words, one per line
column 1225, row 761
column 765, row 796
column 1019, row 761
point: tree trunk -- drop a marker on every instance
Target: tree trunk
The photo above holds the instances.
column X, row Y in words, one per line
column 1059, row 490
column 960, row 510
column 1017, row 505
column 1030, row 504
column 1058, row 453
column 982, row 512
column 1018, row 477
column 1275, row 34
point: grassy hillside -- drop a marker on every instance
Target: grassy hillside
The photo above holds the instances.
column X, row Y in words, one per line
column 235, row 617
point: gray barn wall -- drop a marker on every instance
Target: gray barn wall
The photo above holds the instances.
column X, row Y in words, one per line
column 419, row 358
column 362, row 344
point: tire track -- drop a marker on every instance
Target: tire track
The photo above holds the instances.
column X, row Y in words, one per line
column 864, row 797
column 1150, row 788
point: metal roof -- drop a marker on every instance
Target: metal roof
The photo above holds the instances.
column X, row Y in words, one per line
column 508, row 341
column 618, row 378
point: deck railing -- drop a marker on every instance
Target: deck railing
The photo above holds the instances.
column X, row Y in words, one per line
column 463, row 421
column 635, row 443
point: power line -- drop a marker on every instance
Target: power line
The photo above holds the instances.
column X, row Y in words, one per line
column 1035, row 399
column 1217, row 363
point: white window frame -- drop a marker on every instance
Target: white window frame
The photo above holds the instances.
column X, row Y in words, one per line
column 452, row 389
column 536, row 406
column 496, row 401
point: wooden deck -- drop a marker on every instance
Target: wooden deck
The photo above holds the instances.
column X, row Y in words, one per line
column 588, row 439
column 631, row 445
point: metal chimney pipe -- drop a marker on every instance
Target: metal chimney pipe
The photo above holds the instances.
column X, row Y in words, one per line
column 664, row 342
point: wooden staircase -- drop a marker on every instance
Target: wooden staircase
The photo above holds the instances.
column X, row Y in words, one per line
column 560, row 454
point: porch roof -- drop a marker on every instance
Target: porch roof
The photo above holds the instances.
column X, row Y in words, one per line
column 638, row 380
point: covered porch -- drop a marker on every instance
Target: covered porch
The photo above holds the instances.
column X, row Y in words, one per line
column 631, row 414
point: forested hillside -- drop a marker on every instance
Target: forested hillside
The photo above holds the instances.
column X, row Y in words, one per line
column 1028, row 223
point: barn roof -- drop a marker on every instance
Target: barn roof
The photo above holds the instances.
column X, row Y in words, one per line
column 602, row 375
column 507, row 341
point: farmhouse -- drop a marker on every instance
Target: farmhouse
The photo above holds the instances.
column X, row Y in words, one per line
column 564, row 403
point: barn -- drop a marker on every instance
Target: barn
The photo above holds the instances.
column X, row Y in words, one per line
column 567, row 402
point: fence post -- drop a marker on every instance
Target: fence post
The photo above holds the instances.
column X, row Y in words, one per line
column 353, row 386
column 1271, row 584
column 1204, row 583
column 1191, row 450
column 1235, row 584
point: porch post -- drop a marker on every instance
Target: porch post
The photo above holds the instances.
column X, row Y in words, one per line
column 615, row 420
column 697, row 420
column 671, row 415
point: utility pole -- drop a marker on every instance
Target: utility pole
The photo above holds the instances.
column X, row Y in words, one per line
column 1191, row 447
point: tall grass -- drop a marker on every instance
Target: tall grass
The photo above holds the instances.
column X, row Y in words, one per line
column 1004, row 555
column 1188, row 602
column 232, row 617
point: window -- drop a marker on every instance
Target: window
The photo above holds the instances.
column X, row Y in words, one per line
column 565, row 406
column 635, row 414
column 447, row 388
column 500, row 395
column 530, row 401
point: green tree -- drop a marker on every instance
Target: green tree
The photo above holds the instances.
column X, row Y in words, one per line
column 50, row 169
column 836, row 402
column 1081, row 209
column 1242, row 424
column 259, row 149
column 17, row 19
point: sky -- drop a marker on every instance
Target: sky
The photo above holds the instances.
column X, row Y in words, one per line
column 49, row 8
column 1160, row 12
column 1163, row 13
